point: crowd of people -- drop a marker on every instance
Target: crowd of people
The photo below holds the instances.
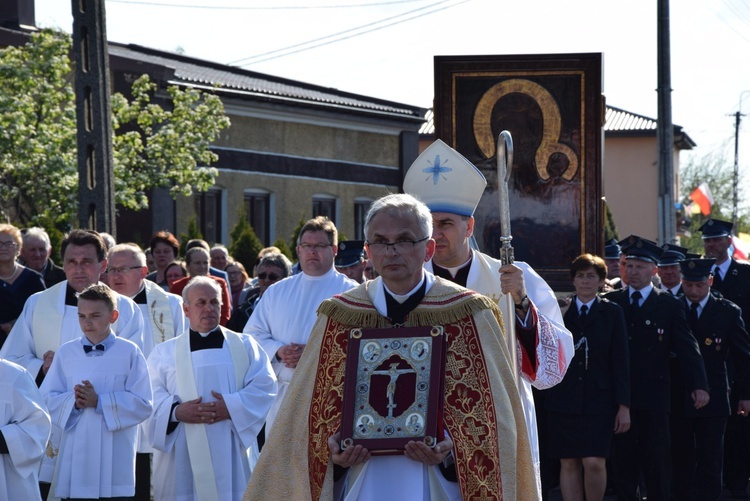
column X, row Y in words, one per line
column 143, row 374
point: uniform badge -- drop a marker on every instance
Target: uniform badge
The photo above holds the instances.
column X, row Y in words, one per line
column 708, row 341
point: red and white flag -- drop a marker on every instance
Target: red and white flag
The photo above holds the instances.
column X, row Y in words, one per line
column 741, row 247
column 702, row 196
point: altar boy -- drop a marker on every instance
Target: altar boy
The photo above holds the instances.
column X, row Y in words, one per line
column 98, row 391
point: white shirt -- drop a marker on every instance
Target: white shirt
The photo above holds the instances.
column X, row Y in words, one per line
column 285, row 314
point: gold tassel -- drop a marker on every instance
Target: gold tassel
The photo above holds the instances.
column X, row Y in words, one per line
column 437, row 309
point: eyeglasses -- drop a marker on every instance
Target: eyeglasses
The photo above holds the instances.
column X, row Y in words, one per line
column 112, row 271
column 270, row 276
column 314, row 247
column 399, row 247
column 9, row 245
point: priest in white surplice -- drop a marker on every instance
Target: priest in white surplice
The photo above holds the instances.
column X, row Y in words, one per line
column 162, row 319
column 286, row 313
column 24, row 428
column 50, row 317
column 212, row 391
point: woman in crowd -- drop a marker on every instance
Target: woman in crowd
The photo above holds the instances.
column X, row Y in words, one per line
column 594, row 397
column 17, row 282
column 174, row 271
column 165, row 248
column 271, row 268
column 239, row 282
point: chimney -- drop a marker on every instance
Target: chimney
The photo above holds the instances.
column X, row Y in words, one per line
column 17, row 14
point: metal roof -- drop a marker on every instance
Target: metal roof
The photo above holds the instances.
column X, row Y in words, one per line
column 616, row 119
column 192, row 71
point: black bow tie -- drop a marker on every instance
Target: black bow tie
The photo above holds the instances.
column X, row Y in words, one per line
column 87, row 348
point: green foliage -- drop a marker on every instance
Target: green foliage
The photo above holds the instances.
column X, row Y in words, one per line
column 245, row 244
column 38, row 163
column 284, row 248
column 193, row 232
column 38, row 160
column 715, row 170
column 167, row 148
column 295, row 235
column 610, row 230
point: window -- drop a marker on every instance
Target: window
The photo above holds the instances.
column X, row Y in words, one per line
column 324, row 206
column 361, row 207
column 208, row 208
column 258, row 210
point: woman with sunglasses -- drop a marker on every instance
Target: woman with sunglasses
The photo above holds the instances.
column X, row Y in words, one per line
column 272, row 268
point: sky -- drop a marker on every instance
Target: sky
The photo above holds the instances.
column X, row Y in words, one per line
column 385, row 48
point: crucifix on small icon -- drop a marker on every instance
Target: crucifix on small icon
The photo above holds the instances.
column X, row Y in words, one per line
column 394, row 374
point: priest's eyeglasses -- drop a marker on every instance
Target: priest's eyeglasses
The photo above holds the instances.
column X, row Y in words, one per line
column 123, row 269
column 399, row 246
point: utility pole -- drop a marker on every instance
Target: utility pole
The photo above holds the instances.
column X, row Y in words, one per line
column 736, row 178
column 665, row 131
column 96, row 205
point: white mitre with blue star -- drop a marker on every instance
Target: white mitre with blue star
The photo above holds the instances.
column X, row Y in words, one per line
column 445, row 180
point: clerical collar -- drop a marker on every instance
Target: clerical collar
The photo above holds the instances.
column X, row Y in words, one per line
column 400, row 298
column 206, row 340
column 141, row 298
column 400, row 306
column 71, row 296
column 457, row 274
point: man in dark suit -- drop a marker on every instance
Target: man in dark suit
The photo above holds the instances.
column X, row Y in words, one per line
column 668, row 268
column 657, row 326
column 732, row 280
column 698, row 434
column 35, row 253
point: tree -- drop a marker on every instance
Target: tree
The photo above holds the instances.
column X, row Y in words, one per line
column 152, row 147
column 193, row 233
column 714, row 170
column 245, row 244
column 38, row 132
column 283, row 247
column 295, row 236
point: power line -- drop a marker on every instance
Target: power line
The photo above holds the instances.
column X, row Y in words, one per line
column 282, row 52
column 275, row 7
column 729, row 25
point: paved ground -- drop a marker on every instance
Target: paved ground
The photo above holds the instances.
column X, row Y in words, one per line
column 555, row 495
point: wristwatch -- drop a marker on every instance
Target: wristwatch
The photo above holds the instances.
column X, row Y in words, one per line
column 524, row 304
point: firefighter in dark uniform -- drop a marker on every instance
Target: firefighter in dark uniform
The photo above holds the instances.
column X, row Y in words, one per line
column 657, row 325
column 612, row 252
column 698, row 434
column 732, row 281
column 668, row 268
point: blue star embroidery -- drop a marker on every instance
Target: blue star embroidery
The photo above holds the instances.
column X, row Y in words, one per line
column 436, row 170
